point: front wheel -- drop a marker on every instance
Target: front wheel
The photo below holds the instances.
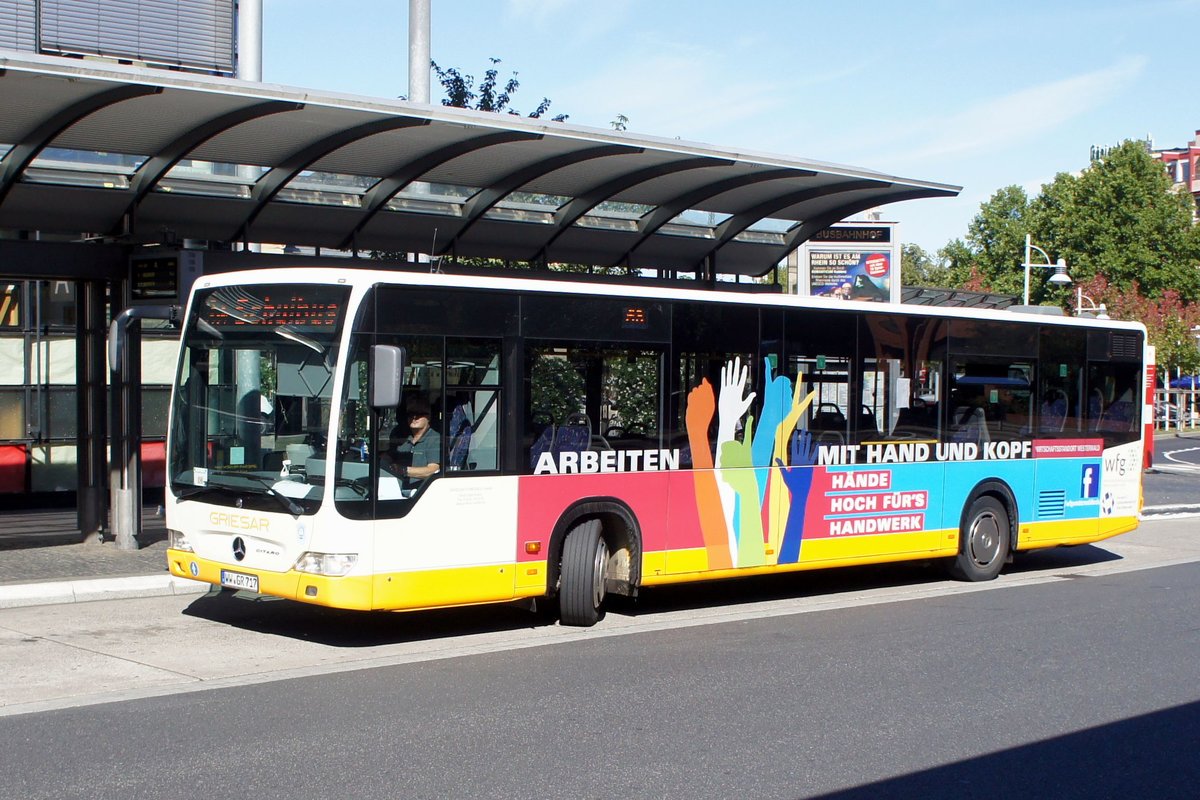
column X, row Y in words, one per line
column 584, row 562
column 983, row 541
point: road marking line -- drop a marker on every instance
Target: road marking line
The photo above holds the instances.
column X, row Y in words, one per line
column 1170, row 456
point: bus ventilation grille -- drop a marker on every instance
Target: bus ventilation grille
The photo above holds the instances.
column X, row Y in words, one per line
column 1126, row 345
column 1052, row 504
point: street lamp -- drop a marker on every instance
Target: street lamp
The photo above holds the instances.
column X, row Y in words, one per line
column 1059, row 278
column 1092, row 310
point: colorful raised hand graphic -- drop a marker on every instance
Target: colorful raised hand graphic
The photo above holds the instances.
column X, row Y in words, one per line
column 780, row 503
column 732, row 404
column 798, row 478
column 777, row 396
column 713, row 525
column 750, row 473
column 739, row 475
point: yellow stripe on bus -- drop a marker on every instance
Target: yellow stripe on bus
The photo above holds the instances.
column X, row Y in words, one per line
column 394, row 591
column 458, row 586
column 1035, row 535
column 679, row 566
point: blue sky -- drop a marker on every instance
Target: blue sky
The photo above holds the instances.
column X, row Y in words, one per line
column 976, row 94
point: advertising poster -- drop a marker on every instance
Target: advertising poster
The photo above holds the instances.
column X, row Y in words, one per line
column 850, row 274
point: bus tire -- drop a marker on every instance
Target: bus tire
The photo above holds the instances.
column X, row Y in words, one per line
column 983, row 541
column 584, row 559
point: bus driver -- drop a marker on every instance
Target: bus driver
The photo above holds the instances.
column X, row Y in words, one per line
column 414, row 457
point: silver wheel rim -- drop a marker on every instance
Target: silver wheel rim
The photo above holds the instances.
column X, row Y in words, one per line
column 600, row 563
column 984, row 540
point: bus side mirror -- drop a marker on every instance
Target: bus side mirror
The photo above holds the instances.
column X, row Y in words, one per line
column 387, row 373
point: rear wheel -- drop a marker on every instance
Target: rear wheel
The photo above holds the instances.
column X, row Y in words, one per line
column 983, row 541
column 581, row 587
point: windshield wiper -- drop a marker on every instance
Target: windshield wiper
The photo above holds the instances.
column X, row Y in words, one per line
column 299, row 338
column 204, row 326
column 293, row 508
column 195, row 491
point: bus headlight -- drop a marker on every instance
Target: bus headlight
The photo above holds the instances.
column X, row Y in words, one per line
column 177, row 540
column 332, row 564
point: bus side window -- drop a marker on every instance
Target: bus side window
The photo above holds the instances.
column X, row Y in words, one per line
column 1052, row 417
column 471, row 416
column 1113, row 401
column 903, row 375
column 597, row 397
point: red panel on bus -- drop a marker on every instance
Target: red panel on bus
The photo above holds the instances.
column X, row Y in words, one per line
column 542, row 500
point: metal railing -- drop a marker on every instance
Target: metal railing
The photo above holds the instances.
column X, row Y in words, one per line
column 1177, row 409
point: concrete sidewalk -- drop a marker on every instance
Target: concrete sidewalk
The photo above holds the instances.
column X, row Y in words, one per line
column 43, row 561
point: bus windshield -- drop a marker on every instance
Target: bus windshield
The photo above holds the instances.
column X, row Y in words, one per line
column 250, row 416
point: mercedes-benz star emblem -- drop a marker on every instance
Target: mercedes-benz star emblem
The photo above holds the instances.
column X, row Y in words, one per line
column 239, row 548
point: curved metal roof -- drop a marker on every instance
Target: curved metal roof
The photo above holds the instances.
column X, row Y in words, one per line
column 129, row 153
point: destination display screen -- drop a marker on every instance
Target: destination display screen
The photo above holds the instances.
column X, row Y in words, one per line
column 275, row 306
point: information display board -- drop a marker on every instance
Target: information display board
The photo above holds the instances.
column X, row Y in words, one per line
column 852, row 262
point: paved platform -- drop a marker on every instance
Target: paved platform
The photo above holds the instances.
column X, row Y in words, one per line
column 44, row 560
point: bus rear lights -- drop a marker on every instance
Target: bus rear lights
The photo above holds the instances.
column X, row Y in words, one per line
column 533, row 548
column 177, row 540
column 331, row 564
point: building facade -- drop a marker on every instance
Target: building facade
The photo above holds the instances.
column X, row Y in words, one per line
column 185, row 35
column 1183, row 166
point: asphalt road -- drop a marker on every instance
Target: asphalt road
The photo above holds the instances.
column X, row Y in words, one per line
column 1174, row 481
column 1076, row 675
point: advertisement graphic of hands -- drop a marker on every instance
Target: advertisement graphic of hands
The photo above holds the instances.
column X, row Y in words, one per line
column 772, row 464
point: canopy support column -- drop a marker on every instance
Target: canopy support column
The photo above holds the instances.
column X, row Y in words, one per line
column 91, row 426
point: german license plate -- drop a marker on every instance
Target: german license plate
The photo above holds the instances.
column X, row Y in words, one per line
column 238, row 580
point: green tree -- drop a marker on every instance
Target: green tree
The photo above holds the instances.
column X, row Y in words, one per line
column 919, row 268
column 461, row 91
column 959, row 262
column 996, row 240
column 1120, row 218
column 1126, row 235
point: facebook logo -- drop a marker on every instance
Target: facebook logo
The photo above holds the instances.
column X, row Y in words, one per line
column 1089, row 481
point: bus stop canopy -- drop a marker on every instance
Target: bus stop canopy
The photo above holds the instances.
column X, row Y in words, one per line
column 142, row 156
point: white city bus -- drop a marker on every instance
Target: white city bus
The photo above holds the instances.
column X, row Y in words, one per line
column 582, row 438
